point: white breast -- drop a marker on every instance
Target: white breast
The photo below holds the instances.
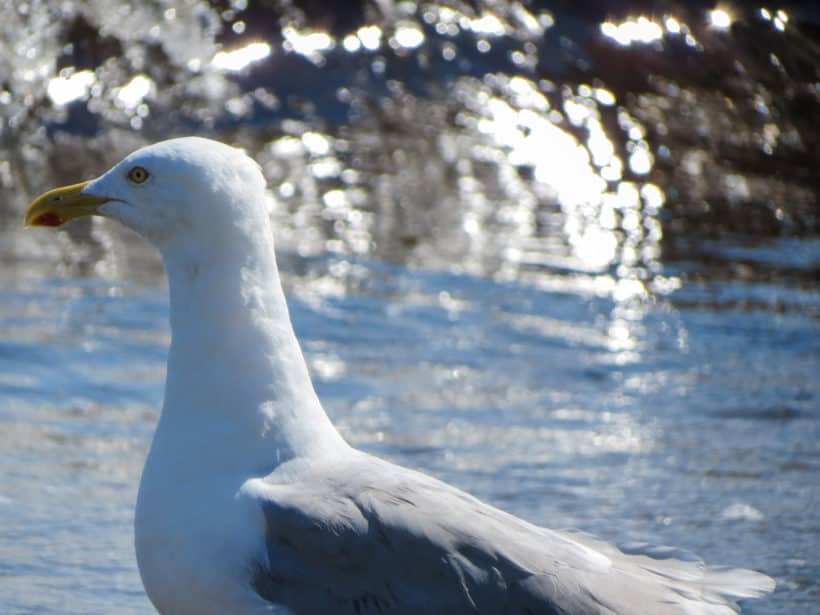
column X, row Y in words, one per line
column 196, row 541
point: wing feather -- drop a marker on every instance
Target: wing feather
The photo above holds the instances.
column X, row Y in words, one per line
column 371, row 537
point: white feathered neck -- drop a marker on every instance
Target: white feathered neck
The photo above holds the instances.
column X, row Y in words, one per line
column 235, row 368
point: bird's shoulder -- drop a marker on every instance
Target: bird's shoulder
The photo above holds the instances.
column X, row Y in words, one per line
column 351, row 495
column 345, row 498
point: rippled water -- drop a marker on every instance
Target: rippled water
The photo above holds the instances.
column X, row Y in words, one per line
column 701, row 431
column 562, row 255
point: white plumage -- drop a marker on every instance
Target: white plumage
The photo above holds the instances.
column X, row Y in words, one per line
column 251, row 502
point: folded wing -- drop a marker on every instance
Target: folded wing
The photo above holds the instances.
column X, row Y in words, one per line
column 371, row 537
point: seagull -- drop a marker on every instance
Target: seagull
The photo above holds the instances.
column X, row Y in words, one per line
column 251, row 502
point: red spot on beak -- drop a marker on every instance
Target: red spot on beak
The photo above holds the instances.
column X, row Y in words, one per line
column 47, row 219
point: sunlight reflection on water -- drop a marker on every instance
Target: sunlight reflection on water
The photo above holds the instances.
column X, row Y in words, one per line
column 594, row 254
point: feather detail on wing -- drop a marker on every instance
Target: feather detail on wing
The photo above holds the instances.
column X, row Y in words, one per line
column 372, row 537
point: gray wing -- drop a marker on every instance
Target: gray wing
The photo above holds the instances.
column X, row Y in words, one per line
column 370, row 537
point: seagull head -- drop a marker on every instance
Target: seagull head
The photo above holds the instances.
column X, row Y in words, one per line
column 186, row 188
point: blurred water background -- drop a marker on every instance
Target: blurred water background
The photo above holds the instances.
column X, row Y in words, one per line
column 564, row 255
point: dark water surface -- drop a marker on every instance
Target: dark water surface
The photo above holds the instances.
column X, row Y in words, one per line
column 563, row 255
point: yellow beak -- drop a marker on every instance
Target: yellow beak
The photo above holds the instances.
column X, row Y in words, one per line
column 60, row 205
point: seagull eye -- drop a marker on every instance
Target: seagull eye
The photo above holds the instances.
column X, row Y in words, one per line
column 138, row 175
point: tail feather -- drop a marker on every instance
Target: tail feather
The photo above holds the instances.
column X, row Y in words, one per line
column 737, row 583
column 682, row 582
